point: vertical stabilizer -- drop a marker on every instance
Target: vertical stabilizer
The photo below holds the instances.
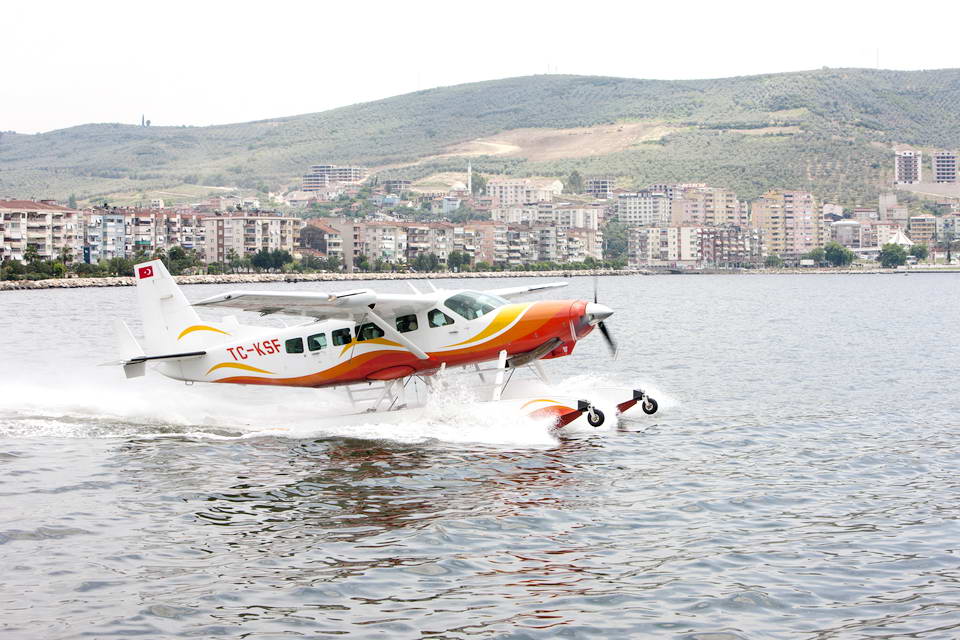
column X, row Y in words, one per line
column 165, row 310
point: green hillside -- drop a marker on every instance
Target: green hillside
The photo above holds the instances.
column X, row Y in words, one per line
column 834, row 131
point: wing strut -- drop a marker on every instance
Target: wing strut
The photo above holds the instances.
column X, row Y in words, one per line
column 396, row 336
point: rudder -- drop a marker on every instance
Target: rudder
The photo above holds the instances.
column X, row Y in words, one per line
column 165, row 311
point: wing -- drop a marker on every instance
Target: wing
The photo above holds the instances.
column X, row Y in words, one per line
column 516, row 292
column 320, row 305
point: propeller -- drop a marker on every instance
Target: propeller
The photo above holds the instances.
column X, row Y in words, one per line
column 602, row 325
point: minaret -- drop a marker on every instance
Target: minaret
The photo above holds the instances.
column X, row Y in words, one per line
column 469, row 179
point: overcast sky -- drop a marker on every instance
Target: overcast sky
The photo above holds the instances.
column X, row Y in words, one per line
column 207, row 62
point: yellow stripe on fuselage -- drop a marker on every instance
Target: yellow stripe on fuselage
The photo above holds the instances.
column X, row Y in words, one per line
column 383, row 341
column 503, row 319
column 237, row 365
column 200, row 327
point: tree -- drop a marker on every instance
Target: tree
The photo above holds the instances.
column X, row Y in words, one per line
column 478, row 184
column 838, row 255
column 947, row 244
column 615, row 240
column 919, row 251
column 773, row 261
column 233, row 260
column 818, row 255
column 575, row 182
column 72, row 201
column 892, row 255
column 457, row 259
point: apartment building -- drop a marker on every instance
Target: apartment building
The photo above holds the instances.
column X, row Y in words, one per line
column 600, row 187
column 708, row 206
column 482, row 241
column 44, row 226
column 322, row 176
column 429, row 237
column 848, row 233
column 385, row 241
column 245, row 233
column 643, row 209
column 104, row 235
column 729, row 246
column 923, row 229
column 908, row 167
column 508, row 192
column 790, row 223
column 945, row 167
column 664, row 247
column 397, row 186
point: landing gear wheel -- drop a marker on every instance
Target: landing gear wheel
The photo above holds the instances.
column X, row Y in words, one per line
column 595, row 417
column 649, row 406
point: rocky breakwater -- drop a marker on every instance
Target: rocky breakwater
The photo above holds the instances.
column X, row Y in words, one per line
column 246, row 278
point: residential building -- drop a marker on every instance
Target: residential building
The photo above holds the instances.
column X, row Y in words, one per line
column 104, row 235
column 322, row 238
column 790, row 222
column 643, row 209
column 429, row 237
column 396, row 185
column 945, row 167
column 384, row 241
column 246, row 233
column 322, row 176
column 507, row 192
column 664, row 247
column 708, row 206
column 600, row 187
column 848, row 233
column 728, row 246
column 907, row 168
column 45, row 226
column 923, row 230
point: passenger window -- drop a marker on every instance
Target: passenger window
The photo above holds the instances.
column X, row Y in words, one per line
column 368, row 331
column 341, row 337
column 438, row 318
column 317, row 341
column 407, row 323
column 295, row 345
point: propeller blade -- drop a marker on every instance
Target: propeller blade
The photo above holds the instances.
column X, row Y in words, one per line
column 594, row 289
column 607, row 337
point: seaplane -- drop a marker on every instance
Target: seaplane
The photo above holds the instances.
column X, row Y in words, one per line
column 375, row 345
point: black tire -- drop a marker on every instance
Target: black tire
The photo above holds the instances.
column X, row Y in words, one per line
column 596, row 418
column 649, row 406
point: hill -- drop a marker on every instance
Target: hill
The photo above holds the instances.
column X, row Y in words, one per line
column 830, row 131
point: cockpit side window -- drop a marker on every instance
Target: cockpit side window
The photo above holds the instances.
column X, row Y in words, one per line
column 473, row 304
column 294, row 345
column 438, row 318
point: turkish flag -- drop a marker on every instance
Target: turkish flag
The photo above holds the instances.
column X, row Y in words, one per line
column 145, row 272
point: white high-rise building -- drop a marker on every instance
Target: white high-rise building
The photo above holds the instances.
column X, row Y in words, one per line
column 908, row 167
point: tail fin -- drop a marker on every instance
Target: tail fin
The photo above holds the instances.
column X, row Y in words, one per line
column 165, row 311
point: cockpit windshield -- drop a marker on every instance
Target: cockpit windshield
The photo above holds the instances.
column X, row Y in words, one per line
column 473, row 304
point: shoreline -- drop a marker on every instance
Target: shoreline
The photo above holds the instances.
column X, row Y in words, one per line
column 254, row 278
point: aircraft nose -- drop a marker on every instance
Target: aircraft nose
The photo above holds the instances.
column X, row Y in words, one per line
column 596, row 312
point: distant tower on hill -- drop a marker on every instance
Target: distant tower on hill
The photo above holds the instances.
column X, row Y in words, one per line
column 469, row 178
